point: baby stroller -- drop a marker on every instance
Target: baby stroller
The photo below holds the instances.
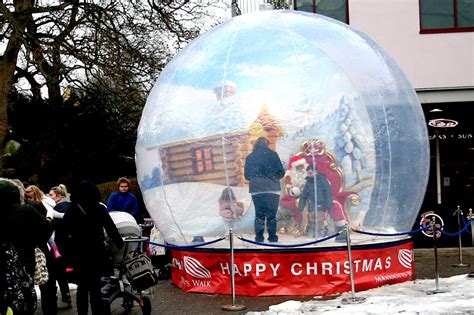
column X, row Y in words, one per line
column 134, row 271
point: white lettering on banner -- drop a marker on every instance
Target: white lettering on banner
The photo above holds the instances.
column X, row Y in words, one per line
column 184, row 282
column 378, row 264
column 177, row 263
column 275, row 269
column 294, row 271
column 201, row 283
column 326, row 268
column 347, row 268
column 314, row 268
column 236, row 270
column 356, row 265
column 305, row 269
column 259, row 268
column 338, row 268
column 225, row 269
column 388, row 262
column 247, row 268
column 367, row 265
column 400, row 275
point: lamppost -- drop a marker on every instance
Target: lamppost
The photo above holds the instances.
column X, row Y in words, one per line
column 438, row 124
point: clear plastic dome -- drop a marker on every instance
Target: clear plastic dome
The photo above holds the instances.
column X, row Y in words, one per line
column 321, row 92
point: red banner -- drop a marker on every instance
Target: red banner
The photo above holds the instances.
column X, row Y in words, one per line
column 318, row 271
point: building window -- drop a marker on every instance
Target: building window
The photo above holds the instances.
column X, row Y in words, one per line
column 336, row 9
column 203, row 160
column 440, row 16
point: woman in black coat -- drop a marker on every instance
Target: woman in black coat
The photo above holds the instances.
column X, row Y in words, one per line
column 22, row 226
column 264, row 170
column 86, row 220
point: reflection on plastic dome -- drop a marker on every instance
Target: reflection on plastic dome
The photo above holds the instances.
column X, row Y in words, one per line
column 321, row 93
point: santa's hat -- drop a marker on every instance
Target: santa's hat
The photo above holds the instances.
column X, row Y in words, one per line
column 296, row 161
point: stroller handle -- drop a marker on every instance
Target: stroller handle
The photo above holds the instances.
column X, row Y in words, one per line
column 135, row 239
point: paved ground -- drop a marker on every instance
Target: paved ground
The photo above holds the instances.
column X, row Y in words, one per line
column 168, row 299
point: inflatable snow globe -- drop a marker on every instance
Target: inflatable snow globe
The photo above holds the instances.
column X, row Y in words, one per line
column 323, row 96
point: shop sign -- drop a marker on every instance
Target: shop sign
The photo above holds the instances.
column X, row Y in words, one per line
column 460, row 136
column 443, row 123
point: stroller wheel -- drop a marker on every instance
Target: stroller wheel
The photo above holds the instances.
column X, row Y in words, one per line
column 106, row 306
column 145, row 305
column 127, row 303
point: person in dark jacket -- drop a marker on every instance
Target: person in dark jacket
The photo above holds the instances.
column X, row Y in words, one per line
column 264, row 170
column 21, row 225
column 317, row 198
column 123, row 199
column 86, row 220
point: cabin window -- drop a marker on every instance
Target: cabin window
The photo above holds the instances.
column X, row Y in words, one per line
column 203, row 160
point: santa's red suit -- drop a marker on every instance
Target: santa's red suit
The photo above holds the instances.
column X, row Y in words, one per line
column 295, row 178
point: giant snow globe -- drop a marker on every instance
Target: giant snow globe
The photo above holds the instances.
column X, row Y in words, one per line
column 323, row 96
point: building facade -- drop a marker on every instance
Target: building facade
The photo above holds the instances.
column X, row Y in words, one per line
column 433, row 42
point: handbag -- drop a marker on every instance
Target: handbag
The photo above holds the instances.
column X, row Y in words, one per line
column 41, row 271
column 19, row 293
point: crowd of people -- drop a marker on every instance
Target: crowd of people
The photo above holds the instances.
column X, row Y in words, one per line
column 69, row 229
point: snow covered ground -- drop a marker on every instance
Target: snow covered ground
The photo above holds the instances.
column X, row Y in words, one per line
column 405, row 298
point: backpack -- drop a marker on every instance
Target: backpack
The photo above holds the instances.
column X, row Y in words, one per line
column 20, row 294
column 139, row 271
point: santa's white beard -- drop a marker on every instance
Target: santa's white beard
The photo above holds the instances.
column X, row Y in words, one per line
column 298, row 178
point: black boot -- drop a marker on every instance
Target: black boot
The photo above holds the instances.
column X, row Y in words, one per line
column 66, row 302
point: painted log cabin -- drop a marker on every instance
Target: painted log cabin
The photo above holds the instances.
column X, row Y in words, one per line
column 217, row 159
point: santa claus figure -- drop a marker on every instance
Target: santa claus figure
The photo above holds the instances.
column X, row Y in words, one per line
column 295, row 179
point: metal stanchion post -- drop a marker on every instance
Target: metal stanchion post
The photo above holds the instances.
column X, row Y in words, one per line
column 353, row 299
column 459, row 213
column 470, row 217
column 233, row 306
column 434, row 227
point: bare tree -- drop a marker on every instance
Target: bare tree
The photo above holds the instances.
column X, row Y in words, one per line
column 52, row 45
